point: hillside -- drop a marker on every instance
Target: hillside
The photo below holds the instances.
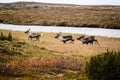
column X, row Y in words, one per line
column 30, row 60
column 48, row 59
column 31, row 13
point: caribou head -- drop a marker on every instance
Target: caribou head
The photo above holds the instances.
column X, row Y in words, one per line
column 81, row 37
column 26, row 32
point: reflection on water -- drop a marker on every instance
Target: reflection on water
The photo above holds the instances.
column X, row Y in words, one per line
column 89, row 31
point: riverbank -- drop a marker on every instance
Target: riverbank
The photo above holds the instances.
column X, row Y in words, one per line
column 60, row 15
column 114, row 33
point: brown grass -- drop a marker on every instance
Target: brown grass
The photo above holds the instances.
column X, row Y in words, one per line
column 70, row 15
column 39, row 66
column 50, row 58
column 48, row 41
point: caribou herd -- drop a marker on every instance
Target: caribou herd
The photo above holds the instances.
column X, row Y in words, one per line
column 84, row 39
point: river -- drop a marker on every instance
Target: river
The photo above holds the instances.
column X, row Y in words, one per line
column 115, row 33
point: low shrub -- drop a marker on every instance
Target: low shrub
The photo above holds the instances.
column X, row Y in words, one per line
column 62, row 23
column 9, row 37
column 105, row 66
column 37, row 66
column 4, row 37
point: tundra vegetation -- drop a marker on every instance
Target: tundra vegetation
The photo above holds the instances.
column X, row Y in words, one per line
column 105, row 66
column 30, row 13
column 48, row 59
column 4, row 37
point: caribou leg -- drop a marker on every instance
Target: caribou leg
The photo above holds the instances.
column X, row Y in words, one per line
column 96, row 41
column 72, row 41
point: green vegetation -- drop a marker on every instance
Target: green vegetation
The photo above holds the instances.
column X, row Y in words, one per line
column 50, row 59
column 4, row 37
column 105, row 66
column 60, row 15
column 24, row 61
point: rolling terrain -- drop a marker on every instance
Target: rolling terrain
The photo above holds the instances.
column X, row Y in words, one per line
column 49, row 58
column 31, row 13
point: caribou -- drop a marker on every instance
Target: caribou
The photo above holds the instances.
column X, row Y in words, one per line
column 33, row 35
column 64, row 39
column 88, row 40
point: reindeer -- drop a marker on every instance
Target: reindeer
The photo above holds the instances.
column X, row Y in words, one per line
column 64, row 39
column 87, row 40
column 33, row 35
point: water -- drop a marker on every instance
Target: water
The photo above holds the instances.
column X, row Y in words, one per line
column 89, row 31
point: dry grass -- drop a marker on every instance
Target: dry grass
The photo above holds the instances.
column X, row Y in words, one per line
column 19, row 67
column 39, row 66
column 35, row 60
column 64, row 15
column 85, row 50
column 48, row 41
column 50, row 58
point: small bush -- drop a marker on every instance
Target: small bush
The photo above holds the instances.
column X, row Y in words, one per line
column 1, row 21
column 9, row 37
column 44, row 23
column 104, row 67
column 4, row 37
column 62, row 23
